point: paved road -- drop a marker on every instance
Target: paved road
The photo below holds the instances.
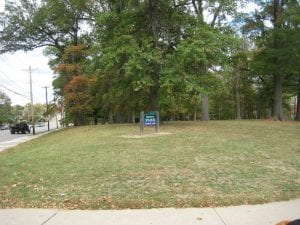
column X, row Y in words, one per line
column 8, row 140
column 6, row 136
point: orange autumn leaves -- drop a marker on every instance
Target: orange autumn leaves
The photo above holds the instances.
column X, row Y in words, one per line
column 76, row 95
column 76, row 89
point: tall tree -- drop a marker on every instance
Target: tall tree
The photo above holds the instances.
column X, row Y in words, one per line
column 218, row 11
column 78, row 99
column 55, row 24
column 193, row 68
column 277, row 53
column 28, row 24
column 135, row 36
column 239, row 67
column 71, row 84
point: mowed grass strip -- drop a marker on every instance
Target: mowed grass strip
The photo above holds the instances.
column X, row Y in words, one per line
column 194, row 164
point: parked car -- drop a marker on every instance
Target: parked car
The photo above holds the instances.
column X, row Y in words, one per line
column 20, row 128
column 4, row 127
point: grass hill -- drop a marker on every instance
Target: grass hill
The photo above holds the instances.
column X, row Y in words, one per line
column 190, row 164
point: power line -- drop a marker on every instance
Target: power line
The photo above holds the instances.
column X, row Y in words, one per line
column 11, row 82
column 11, row 86
column 12, row 91
column 9, row 65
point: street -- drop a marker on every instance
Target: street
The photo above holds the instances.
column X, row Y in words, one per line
column 6, row 136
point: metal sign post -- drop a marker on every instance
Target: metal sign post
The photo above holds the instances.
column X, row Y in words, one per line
column 142, row 123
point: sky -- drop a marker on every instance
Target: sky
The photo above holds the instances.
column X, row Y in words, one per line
column 14, row 75
column 15, row 81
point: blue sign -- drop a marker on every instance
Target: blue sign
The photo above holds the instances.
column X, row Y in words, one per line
column 150, row 119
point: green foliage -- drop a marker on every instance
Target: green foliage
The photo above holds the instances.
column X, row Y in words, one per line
column 28, row 25
column 17, row 113
column 196, row 66
column 276, row 60
column 38, row 109
column 166, row 55
column 5, row 108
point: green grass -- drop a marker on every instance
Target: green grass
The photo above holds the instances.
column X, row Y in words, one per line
column 198, row 165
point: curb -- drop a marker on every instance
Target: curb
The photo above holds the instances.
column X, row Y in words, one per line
column 265, row 214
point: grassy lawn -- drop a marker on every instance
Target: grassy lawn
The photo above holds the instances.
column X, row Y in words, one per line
column 197, row 165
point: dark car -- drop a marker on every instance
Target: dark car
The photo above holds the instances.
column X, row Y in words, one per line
column 20, row 128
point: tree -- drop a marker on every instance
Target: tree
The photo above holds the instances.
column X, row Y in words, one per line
column 27, row 25
column 193, row 66
column 277, row 53
column 5, row 108
column 237, row 74
column 53, row 110
column 70, row 81
column 38, row 109
column 134, row 38
column 293, row 16
column 17, row 113
column 120, row 57
column 77, row 99
column 54, row 24
column 218, row 10
column 297, row 117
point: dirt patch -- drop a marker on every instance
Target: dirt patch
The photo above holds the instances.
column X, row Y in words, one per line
column 146, row 135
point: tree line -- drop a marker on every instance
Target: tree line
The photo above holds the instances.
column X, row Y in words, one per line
column 10, row 114
column 189, row 59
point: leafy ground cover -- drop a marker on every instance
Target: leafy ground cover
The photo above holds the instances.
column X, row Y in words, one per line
column 198, row 164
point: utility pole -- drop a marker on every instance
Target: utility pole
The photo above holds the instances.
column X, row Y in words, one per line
column 31, row 99
column 47, row 109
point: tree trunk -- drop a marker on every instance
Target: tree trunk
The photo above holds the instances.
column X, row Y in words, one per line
column 110, row 117
column 198, row 8
column 195, row 112
column 297, row 117
column 95, row 114
column 205, row 111
column 277, row 101
column 297, row 107
column 238, row 106
column 154, row 27
column 154, row 95
column 133, row 117
column 238, row 98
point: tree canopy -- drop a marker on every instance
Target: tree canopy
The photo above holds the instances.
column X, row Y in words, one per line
column 113, row 59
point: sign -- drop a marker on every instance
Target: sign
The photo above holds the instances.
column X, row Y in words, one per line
column 150, row 119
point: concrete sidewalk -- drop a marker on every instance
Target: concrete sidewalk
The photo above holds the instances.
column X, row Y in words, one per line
column 12, row 143
column 266, row 214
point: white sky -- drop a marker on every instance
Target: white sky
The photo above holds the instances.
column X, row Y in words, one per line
column 13, row 76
